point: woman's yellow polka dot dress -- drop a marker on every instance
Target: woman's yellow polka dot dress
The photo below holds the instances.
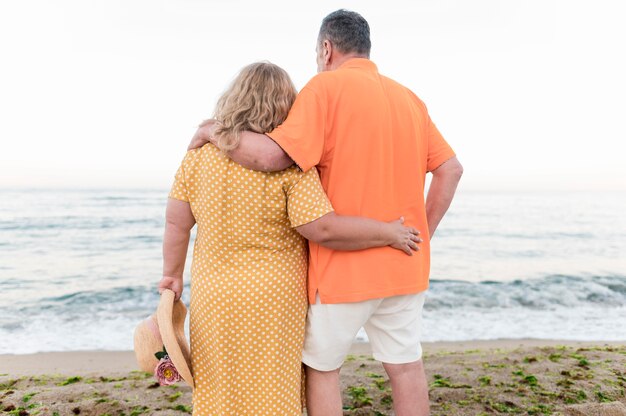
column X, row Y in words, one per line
column 248, row 286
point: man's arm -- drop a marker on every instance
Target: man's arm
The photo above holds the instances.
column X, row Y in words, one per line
column 255, row 151
column 442, row 187
column 347, row 233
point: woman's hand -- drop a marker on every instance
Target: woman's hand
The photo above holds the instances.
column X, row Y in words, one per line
column 175, row 284
column 402, row 237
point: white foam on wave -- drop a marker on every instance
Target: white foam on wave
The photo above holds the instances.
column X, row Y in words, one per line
column 575, row 324
column 554, row 307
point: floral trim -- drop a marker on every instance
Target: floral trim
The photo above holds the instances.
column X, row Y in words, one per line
column 165, row 371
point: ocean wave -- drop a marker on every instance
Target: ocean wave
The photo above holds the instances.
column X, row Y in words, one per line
column 557, row 306
column 547, row 293
column 71, row 223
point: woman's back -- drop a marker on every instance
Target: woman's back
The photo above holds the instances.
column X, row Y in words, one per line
column 246, row 215
column 248, row 286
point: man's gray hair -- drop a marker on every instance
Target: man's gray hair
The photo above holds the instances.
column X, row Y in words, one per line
column 348, row 32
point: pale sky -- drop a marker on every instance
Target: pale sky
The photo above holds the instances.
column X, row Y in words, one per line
column 530, row 94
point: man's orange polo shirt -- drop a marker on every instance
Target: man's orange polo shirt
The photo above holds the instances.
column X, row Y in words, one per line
column 373, row 142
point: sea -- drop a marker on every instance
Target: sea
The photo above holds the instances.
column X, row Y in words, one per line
column 79, row 268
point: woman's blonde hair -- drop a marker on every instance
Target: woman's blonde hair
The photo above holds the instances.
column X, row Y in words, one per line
column 259, row 100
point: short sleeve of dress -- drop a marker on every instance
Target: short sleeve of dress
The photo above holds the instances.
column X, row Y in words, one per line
column 179, row 188
column 306, row 199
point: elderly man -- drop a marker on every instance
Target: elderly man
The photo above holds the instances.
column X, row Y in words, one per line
column 373, row 143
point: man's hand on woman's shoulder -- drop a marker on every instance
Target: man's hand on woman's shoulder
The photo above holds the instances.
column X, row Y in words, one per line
column 203, row 135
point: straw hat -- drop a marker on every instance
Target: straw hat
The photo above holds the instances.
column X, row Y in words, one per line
column 165, row 328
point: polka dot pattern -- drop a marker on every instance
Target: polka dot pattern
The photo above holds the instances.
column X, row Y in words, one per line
column 248, row 286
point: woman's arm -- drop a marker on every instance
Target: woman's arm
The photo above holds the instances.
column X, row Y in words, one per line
column 356, row 233
column 178, row 224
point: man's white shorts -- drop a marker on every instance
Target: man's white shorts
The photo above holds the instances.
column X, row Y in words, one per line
column 393, row 326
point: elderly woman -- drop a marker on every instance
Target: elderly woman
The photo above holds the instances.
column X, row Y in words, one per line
column 248, row 300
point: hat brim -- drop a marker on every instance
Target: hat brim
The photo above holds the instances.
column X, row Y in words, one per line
column 147, row 341
column 171, row 318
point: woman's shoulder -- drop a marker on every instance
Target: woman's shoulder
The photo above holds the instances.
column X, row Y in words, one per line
column 293, row 175
column 207, row 154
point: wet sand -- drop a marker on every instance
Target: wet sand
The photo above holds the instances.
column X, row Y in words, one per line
column 530, row 377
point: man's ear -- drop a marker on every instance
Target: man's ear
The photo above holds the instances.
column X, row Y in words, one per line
column 327, row 51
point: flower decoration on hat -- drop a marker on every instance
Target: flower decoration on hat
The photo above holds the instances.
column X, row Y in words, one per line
column 165, row 371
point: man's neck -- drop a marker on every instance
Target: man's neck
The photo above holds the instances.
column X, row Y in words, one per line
column 339, row 59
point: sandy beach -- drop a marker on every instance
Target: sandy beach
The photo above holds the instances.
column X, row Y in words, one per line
column 530, row 377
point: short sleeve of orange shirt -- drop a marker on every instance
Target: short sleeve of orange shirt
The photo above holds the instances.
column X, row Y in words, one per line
column 373, row 142
column 302, row 136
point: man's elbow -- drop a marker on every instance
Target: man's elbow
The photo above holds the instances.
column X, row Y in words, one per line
column 457, row 170
column 270, row 162
column 451, row 169
column 274, row 158
column 275, row 161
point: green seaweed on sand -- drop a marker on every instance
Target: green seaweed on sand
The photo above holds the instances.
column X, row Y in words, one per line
column 490, row 365
column 26, row 398
column 529, row 379
column 603, row 397
column 359, row 396
column 174, row 397
column 140, row 375
column 380, row 384
column 70, row 380
column 554, row 357
column 565, row 382
column 9, row 384
column 182, row 408
column 540, row 409
column 484, row 380
column 136, row 411
column 503, row 407
column 379, row 380
column 583, row 362
column 17, row 411
column 386, row 400
column 573, row 397
column 441, row 381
